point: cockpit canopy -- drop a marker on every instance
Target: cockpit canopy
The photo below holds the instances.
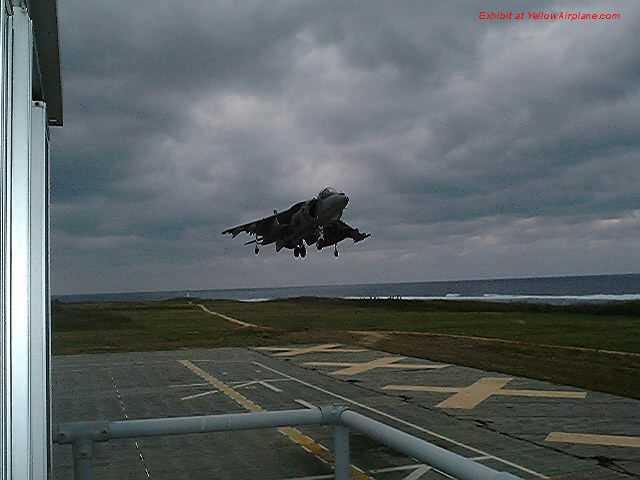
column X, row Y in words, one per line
column 327, row 192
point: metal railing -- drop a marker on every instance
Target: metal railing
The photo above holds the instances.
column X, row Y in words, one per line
column 83, row 435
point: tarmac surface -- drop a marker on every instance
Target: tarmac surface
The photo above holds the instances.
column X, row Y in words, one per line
column 527, row 427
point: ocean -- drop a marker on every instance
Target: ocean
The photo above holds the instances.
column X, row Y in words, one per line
column 556, row 290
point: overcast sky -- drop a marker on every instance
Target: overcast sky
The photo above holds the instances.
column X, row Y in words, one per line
column 469, row 149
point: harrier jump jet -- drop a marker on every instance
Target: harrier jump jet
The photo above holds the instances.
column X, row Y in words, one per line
column 307, row 222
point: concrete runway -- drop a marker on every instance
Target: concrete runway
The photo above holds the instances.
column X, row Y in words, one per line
column 530, row 428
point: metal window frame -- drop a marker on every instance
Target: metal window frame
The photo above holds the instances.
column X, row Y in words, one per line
column 25, row 431
column 18, row 250
column 40, row 353
column 6, row 41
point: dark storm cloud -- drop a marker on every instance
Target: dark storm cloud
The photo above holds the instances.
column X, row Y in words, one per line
column 469, row 149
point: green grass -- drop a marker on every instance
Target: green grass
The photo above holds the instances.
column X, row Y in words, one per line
column 612, row 327
column 542, row 331
column 102, row 327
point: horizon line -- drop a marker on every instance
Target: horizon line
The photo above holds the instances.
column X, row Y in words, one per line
column 191, row 290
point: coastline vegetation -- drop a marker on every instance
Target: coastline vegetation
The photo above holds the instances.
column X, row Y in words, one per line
column 594, row 346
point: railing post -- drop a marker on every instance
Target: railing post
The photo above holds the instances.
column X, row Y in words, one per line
column 341, row 452
column 83, row 459
column 83, row 435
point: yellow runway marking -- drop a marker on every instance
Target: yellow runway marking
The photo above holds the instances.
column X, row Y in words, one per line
column 471, row 396
column 230, row 319
column 325, row 348
column 293, row 434
column 592, row 439
column 385, row 362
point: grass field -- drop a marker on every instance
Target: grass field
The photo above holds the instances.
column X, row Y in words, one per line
column 611, row 327
column 537, row 341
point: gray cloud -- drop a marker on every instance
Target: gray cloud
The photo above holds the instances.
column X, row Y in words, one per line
column 469, row 149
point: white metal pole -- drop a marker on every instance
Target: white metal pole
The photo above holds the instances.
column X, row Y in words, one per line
column 39, row 293
column 341, row 452
column 83, row 460
column 18, row 254
column 448, row 462
column 6, row 41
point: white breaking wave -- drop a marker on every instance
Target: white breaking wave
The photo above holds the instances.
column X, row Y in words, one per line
column 599, row 296
column 504, row 297
column 487, row 297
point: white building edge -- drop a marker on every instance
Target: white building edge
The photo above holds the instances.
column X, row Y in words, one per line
column 30, row 102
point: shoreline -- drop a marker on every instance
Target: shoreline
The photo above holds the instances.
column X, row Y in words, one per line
column 595, row 299
column 584, row 288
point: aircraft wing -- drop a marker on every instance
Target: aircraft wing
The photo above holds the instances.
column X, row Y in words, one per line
column 351, row 232
column 263, row 226
column 346, row 231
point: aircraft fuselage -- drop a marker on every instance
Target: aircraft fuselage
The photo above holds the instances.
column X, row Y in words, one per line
column 304, row 223
column 330, row 208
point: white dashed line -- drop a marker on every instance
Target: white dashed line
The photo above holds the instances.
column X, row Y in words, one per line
column 304, row 403
column 126, row 417
column 198, row 395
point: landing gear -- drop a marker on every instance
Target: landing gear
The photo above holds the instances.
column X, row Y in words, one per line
column 256, row 250
column 335, row 250
column 300, row 251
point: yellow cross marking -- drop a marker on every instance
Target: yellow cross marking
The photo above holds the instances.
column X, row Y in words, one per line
column 384, row 362
column 591, row 439
column 293, row 434
column 293, row 351
column 471, row 396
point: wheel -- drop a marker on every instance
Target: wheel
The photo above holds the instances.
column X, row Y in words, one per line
column 296, row 252
column 256, row 250
column 303, row 252
column 335, row 253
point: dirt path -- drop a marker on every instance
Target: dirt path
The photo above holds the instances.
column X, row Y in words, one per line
column 231, row 319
